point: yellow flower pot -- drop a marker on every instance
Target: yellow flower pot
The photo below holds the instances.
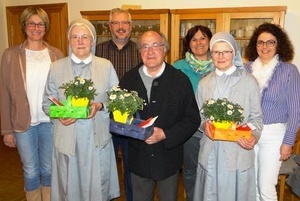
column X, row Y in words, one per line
column 223, row 124
column 80, row 101
column 121, row 118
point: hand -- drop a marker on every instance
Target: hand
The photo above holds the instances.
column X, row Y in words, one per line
column 95, row 107
column 67, row 121
column 247, row 144
column 157, row 136
column 209, row 129
column 285, row 152
column 9, row 140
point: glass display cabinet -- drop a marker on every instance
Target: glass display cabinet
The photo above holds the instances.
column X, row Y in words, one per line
column 240, row 22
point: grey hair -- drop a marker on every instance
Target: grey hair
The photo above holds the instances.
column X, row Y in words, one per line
column 119, row 10
column 164, row 40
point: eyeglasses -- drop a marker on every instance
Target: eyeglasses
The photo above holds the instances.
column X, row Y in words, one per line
column 224, row 53
column 33, row 25
column 269, row 43
column 154, row 46
column 84, row 37
column 116, row 23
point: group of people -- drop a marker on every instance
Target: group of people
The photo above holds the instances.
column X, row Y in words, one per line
column 77, row 157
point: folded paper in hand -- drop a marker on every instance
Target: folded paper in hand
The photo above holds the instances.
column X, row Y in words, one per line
column 148, row 122
column 55, row 101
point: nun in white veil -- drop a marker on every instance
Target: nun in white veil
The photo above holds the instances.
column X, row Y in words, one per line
column 83, row 165
column 226, row 169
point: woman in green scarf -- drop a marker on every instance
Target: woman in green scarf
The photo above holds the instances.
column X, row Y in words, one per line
column 196, row 63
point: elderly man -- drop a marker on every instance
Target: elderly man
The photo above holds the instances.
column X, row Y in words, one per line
column 169, row 95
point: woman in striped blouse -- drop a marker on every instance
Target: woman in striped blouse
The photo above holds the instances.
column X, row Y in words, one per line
column 269, row 53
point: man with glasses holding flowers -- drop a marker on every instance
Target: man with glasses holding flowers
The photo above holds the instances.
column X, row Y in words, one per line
column 169, row 95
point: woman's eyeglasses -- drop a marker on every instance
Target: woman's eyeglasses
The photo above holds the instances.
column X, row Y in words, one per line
column 218, row 53
column 33, row 25
column 84, row 38
column 269, row 43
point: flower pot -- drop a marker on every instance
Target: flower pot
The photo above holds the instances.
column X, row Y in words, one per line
column 80, row 101
column 122, row 118
column 223, row 124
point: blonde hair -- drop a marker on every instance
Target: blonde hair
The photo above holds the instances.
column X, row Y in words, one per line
column 30, row 11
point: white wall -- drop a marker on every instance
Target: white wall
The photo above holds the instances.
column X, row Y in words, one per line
column 292, row 22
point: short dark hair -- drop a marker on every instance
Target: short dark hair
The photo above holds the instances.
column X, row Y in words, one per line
column 284, row 48
column 190, row 34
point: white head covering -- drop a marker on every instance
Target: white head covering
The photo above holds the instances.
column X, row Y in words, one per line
column 228, row 38
column 89, row 26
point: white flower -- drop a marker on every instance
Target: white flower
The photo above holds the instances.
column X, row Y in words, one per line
column 81, row 80
column 112, row 97
column 229, row 112
column 230, row 106
column 127, row 94
column 91, row 88
column 210, row 102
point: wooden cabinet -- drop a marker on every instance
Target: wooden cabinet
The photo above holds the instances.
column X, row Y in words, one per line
column 239, row 21
column 142, row 20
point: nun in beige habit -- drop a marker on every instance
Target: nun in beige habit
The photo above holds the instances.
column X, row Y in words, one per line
column 226, row 169
column 83, row 165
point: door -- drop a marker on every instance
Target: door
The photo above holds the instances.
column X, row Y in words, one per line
column 57, row 34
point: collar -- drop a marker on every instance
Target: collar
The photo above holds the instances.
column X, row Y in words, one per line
column 77, row 60
column 228, row 72
column 163, row 66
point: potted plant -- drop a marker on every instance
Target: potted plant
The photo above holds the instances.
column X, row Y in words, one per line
column 123, row 103
column 80, row 90
column 222, row 112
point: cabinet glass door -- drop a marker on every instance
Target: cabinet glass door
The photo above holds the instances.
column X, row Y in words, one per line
column 242, row 30
column 138, row 27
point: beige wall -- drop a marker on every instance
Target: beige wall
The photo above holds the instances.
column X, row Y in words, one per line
column 292, row 22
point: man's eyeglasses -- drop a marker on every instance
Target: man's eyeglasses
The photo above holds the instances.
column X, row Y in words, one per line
column 154, row 46
column 33, row 25
column 116, row 23
column 84, row 37
column 269, row 43
column 218, row 53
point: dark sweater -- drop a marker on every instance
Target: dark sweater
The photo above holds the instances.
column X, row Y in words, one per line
column 173, row 101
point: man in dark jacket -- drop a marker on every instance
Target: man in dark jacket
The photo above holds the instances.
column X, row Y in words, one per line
column 169, row 95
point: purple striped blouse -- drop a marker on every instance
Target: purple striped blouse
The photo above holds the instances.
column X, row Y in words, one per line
column 280, row 101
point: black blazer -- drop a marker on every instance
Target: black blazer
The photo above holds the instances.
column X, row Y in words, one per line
column 173, row 100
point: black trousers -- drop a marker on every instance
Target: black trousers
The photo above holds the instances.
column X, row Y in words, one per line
column 143, row 188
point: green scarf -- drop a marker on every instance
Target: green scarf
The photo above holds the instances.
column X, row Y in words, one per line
column 199, row 66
